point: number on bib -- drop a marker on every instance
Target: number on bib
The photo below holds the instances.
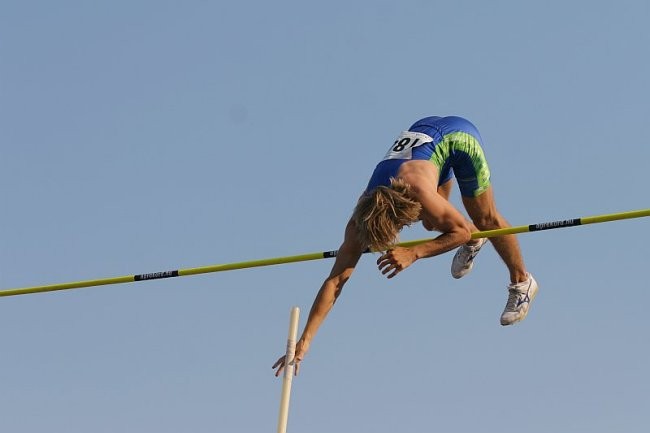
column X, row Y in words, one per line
column 405, row 143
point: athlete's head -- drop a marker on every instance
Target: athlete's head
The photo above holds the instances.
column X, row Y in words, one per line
column 383, row 212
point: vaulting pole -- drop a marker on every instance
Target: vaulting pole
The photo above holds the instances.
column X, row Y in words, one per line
column 289, row 370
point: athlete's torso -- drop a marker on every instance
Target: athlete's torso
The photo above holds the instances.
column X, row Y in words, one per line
column 421, row 142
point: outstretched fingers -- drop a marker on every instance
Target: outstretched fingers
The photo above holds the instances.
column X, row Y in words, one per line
column 388, row 265
column 279, row 364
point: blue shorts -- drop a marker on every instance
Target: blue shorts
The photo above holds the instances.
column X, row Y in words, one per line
column 452, row 144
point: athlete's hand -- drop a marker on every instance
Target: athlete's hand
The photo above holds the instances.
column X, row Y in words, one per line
column 394, row 261
column 301, row 351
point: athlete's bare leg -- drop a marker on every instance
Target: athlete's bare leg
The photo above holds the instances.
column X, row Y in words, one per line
column 445, row 191
column 483, row 212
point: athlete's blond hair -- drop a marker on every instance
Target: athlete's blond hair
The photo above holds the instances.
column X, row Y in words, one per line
column 383, row 212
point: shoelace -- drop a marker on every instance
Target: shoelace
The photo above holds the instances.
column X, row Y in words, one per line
column 513, row 299
column 467, row 253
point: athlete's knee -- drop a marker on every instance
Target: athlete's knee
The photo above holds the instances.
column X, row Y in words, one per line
column 489, row 220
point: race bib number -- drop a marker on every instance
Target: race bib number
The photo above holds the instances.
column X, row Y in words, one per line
column 405, row 143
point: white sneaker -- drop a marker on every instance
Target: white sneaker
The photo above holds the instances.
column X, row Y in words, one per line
column 464, row 258
column 520, row 296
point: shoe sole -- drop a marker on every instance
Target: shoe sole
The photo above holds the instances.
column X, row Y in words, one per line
column 464, row 272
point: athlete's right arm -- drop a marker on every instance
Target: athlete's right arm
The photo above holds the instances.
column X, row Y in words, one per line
column 346, row 260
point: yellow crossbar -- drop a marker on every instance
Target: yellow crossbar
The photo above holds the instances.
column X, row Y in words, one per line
column 313, row 256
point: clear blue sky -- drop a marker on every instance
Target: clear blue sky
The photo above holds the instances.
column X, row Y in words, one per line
column 142, row 136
